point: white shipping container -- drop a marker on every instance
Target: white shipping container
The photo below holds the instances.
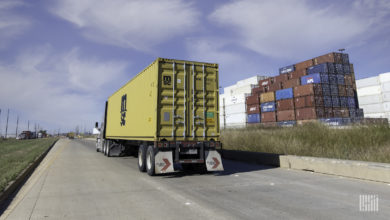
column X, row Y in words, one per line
column 369, row 99
column 372, row 108
column 251, row 80
column 367, row 82
column 371, row 90
column 241, row 89
column 384, row 77
column 385, row 87
column 235, row 99
column 376, row 115
column 386, row 107
column 386, row 97
column 235, row 118
column 236, row 108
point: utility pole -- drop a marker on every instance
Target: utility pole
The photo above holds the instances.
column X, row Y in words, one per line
column 6, row 126
column 17, row 124
column 28, row 125
column 0, row 123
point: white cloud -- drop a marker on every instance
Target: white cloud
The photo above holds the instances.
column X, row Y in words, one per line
column 11, row 24
column 59, row 90
column 138, row 24
column 296, row 29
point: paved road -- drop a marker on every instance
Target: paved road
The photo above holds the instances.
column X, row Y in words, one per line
column 75, row 182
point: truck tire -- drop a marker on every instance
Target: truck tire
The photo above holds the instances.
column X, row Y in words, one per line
column 142, row 158
column 104, row 147
column 108, row 148
column 150, row 161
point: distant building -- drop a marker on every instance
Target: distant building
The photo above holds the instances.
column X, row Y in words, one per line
column 232, row 102
column 374, row 96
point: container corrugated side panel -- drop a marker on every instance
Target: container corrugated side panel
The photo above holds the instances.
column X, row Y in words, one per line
column 192, row 121
column 138, row 109
column 384, row 77
column 235, row 108
column 372, row 81
column 372, row 90
column 370, row 99
column 372, row 108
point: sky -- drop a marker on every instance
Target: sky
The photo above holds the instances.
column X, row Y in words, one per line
column 61, row 59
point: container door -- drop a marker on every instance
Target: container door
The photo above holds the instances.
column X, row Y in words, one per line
column 188, row 101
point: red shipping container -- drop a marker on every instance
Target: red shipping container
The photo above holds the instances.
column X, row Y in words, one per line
column 342, row 90
column 344, row 112
column 304, row 65
column 287, row 115
column 297, row 74
column 265, row 82
column 253, row 99
column 285, row 104
column 309, row 89
column 328, row 58
column 337, row 113
column 314, row 101
column 268, row 117
column 349, row 91
column 275, row 86
column 281, row 78
column 291, row 83
column 252, row 108
column 328, row 113
column 257, row 90
column 348, row 80
column 309, row 113
column 300, row 102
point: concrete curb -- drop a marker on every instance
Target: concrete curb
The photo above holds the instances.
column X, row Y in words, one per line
column 22, row 177
column 379, row 172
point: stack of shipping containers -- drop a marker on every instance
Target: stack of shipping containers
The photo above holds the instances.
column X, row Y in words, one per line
column 322, row 88
column 374, row 96
column 232, row 108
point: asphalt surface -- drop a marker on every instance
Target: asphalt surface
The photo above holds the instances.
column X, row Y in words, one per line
column 76, row 182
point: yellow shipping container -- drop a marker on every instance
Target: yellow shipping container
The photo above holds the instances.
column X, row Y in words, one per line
column 171, row 100
column 267, row 97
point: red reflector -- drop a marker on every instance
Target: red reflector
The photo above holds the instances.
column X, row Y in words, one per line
column 212, row 144
column 165, row 144
column 216, row 144
column 159, row 145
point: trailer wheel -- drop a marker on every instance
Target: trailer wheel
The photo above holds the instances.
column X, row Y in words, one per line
column 150, row 161
column 104, row 147
column 108, row 148
column 142, row 158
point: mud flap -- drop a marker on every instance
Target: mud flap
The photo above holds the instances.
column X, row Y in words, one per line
column 163, row 162
column 213, row 161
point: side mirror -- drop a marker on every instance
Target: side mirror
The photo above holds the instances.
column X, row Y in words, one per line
column 96, row 124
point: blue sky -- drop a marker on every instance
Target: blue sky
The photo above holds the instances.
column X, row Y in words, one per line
column 60, row 60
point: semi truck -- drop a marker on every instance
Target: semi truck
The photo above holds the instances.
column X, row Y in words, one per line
column 168, row 115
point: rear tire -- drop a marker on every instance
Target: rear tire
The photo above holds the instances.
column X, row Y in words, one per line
column 142, row 158
column 108, row 148
column 104, row 147
column 150, row 161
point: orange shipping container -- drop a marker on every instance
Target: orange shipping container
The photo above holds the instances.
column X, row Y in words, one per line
column 268, row 117
column 281, row 78
column 253, row 99
column 291, row 83
column 304, row 65
column 253, row 108
column 267, row 97
column 287, row 115
column 297, row 74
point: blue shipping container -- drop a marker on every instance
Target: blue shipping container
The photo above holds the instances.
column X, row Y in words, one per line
column 287, row 69
column 267, row 107
column 284, row 94
column 340, row 79
column 339, row 68
column 334, row 90
column 325, row 89
column 345, row 58
column 253, row 118
column 287, row 123
column 343, row 102
column 346, row 69
column 332, row 121
column 352, row 112
column 328, row 101
column 321, row 68
column 335, row 101
column 332, row 79
column 312, row 78
column 324, row 78
column 351, row 102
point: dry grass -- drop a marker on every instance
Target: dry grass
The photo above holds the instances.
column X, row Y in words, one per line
column 16, row 155
column 366, row 143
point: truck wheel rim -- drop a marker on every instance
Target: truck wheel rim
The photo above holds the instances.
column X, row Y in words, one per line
column 140, row 158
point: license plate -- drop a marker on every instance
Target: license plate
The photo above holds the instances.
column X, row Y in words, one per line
column 190, row 151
